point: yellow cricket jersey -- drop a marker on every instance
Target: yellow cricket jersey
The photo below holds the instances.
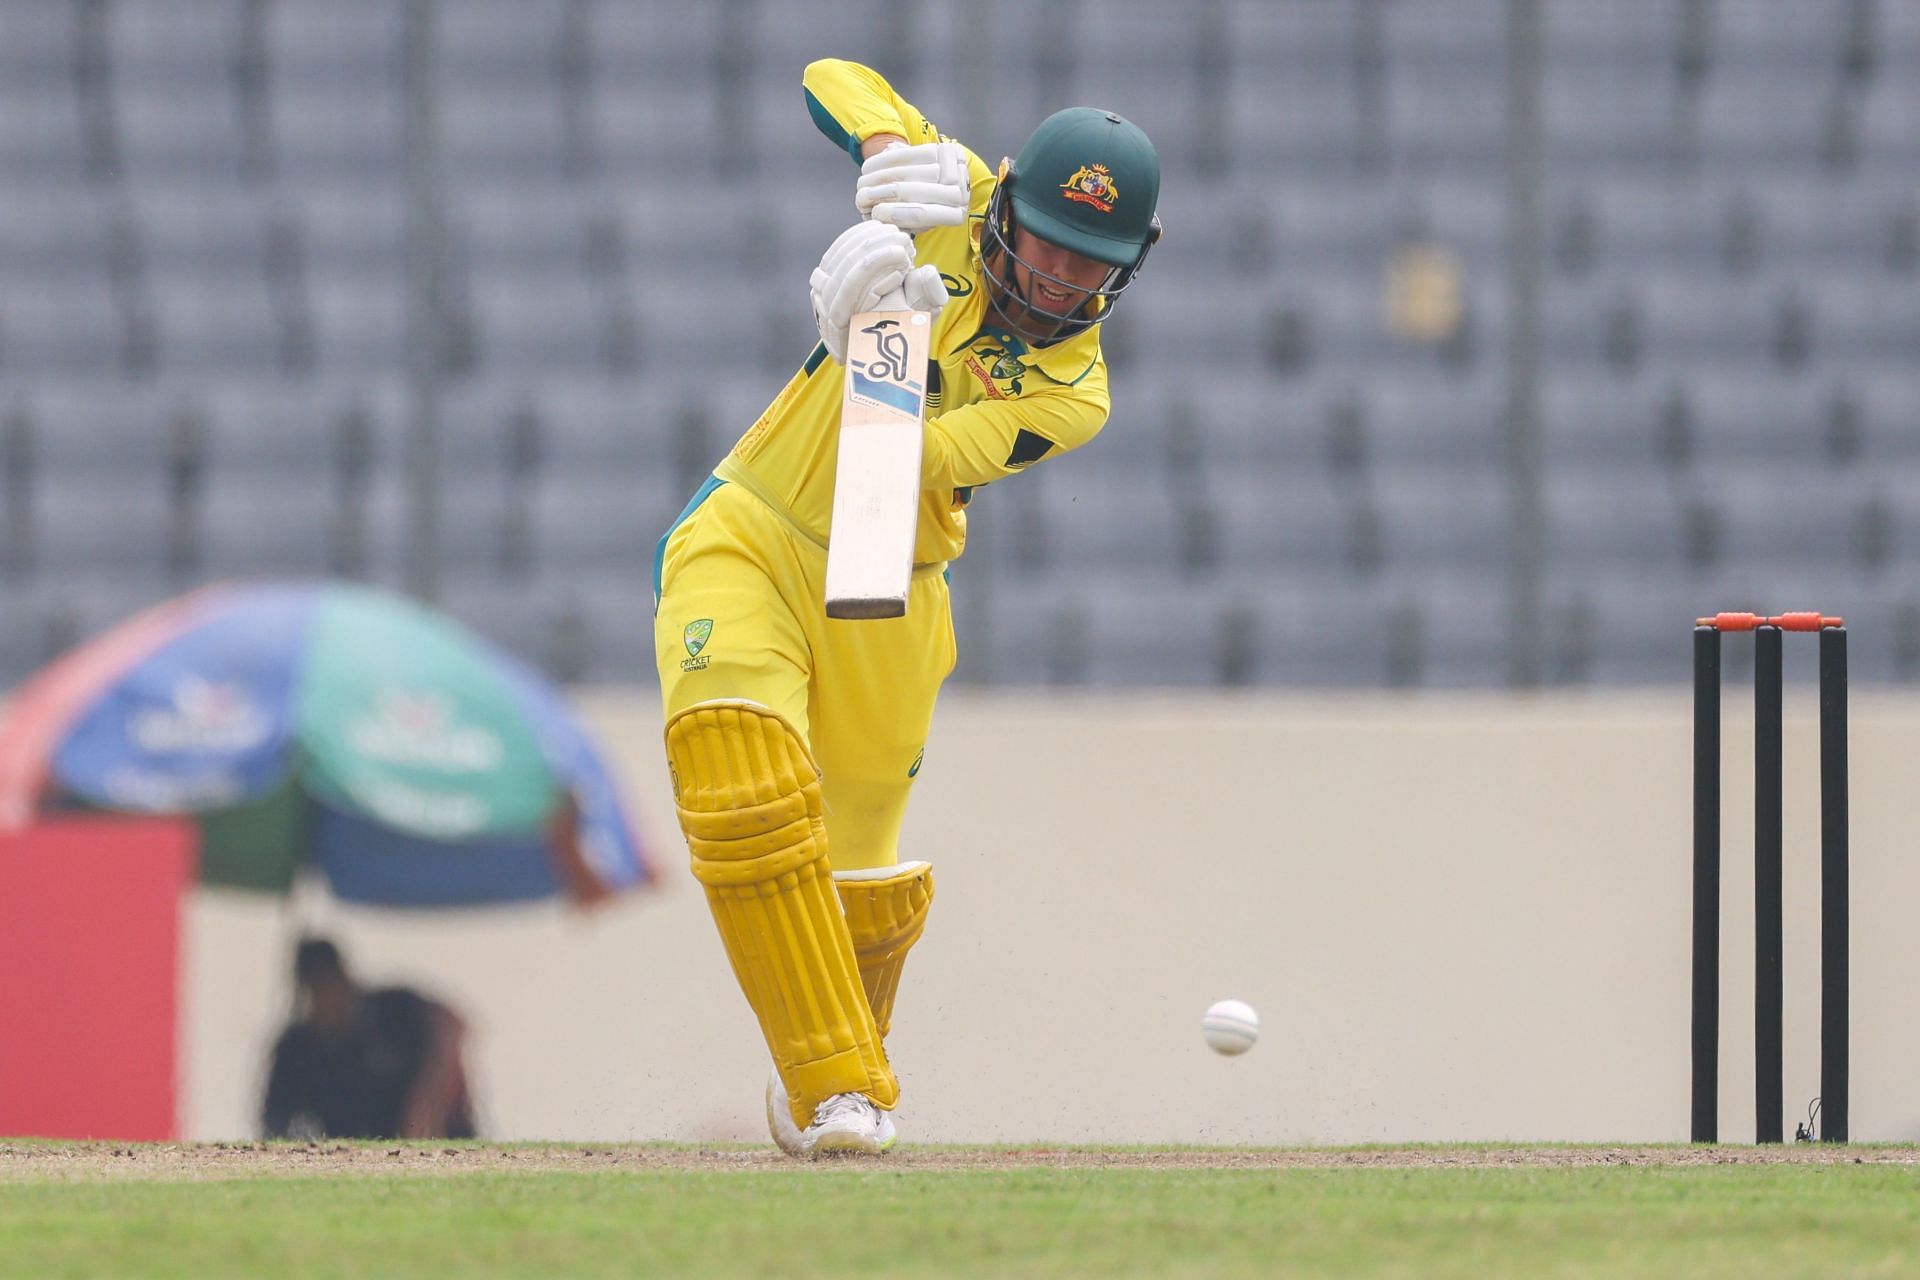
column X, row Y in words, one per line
column 994, row 406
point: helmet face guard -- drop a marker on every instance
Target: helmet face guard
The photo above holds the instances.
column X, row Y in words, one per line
column 1035, row 323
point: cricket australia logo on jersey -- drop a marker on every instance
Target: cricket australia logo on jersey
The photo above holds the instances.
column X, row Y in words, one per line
column 695, row 637
column 884, row 380
column 1092, row 184
column 995, row 361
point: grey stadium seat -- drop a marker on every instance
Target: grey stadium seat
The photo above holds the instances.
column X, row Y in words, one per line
column 337, row 128
column 1890, row 122
column 632, row 41
column 1741, row 415
column 348, row 226
column 602, row 630
column 1828, row 224
column 505, row 131
column 490, row 429
column 1166, row 631
column 1331, row 632
column 1466, row 32
column 1617, row 517
column 175, row 40
column 81, row 428
column 41, row 133
column 499, row 40
column 515, row 225
column 1610, row 117
column 1269, row 524
column 215, row 227
column 519, row 617
column 1629, row 626
column 275, row 429
column 613, row 426
column 641, row 122
column 1437, row 422
column 1706, row 317
column 1250, row 421
column 1777, row 519
column 1889, row 401
column 597, row 522
column 1865, row 320
column 1030, row 631
column 1450, row 630
column 1758, row 118
column 1446, row 119
column 52, row 229
column 1310, row 118
column 168, row 128
column 1459, row 520
column 1644, row 222
column 1123, row 520
column 360, row 42
column 219, row 324
column 1629, row 34
column 38, row 39
column 103, row 524
column 547, row 322
column 1291, row 37
column 1803, row 36
column 1590, row 417
column 69, row 328
column 360, row 324
column 269, row 527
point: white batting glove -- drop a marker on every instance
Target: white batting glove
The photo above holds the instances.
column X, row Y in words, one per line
column 921, row 290
column 915, row 188
column 869, row 264
column 866, row 262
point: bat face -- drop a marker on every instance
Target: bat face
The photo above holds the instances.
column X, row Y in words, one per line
column 876, row 493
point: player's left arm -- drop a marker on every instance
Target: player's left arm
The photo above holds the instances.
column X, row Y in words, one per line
column 978, row 443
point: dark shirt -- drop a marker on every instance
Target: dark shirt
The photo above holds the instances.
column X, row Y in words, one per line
column 354, row 1083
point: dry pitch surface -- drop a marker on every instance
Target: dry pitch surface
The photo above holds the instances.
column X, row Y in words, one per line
column 22, row 1161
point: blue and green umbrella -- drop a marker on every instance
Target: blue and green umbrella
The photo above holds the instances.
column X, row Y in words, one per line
column 327, row 726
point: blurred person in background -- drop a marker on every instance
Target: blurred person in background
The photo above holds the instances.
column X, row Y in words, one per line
column 792, row 737
column 360, row 1063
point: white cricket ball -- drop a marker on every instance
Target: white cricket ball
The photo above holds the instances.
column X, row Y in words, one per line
column 1230, row 1027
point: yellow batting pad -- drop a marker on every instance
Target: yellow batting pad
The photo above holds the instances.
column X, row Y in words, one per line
column 886, row 914
column 748, row 795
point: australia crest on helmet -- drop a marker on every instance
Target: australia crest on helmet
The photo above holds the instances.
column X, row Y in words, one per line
column 1092, row 184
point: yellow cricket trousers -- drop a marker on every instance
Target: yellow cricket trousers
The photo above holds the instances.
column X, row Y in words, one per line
column 740, row 615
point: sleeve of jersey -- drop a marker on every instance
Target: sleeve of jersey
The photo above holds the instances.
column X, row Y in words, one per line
column 981, row 442
column 850, row 103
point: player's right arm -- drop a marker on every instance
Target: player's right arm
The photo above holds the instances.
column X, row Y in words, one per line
column 853, row 105
column 910, row 176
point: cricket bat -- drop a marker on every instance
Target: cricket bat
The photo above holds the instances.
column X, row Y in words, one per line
column 876, row 485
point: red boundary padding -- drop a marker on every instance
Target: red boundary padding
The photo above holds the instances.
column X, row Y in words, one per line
column 89, row 977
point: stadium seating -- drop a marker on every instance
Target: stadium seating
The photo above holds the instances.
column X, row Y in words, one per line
column 257, row 255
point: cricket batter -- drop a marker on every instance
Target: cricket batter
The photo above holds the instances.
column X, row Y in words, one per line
column 794, row 739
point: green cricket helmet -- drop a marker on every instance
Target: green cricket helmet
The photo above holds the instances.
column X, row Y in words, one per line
column 1087, row 181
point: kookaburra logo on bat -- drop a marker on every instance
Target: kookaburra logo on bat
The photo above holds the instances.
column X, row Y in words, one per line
column 890, row 352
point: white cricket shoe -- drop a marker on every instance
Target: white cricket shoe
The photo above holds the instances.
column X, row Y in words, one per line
column 849, row 1124
column 845, row 1124
column 786, row 1134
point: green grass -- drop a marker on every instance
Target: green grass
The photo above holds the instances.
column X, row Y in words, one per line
column 1772, row 1221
